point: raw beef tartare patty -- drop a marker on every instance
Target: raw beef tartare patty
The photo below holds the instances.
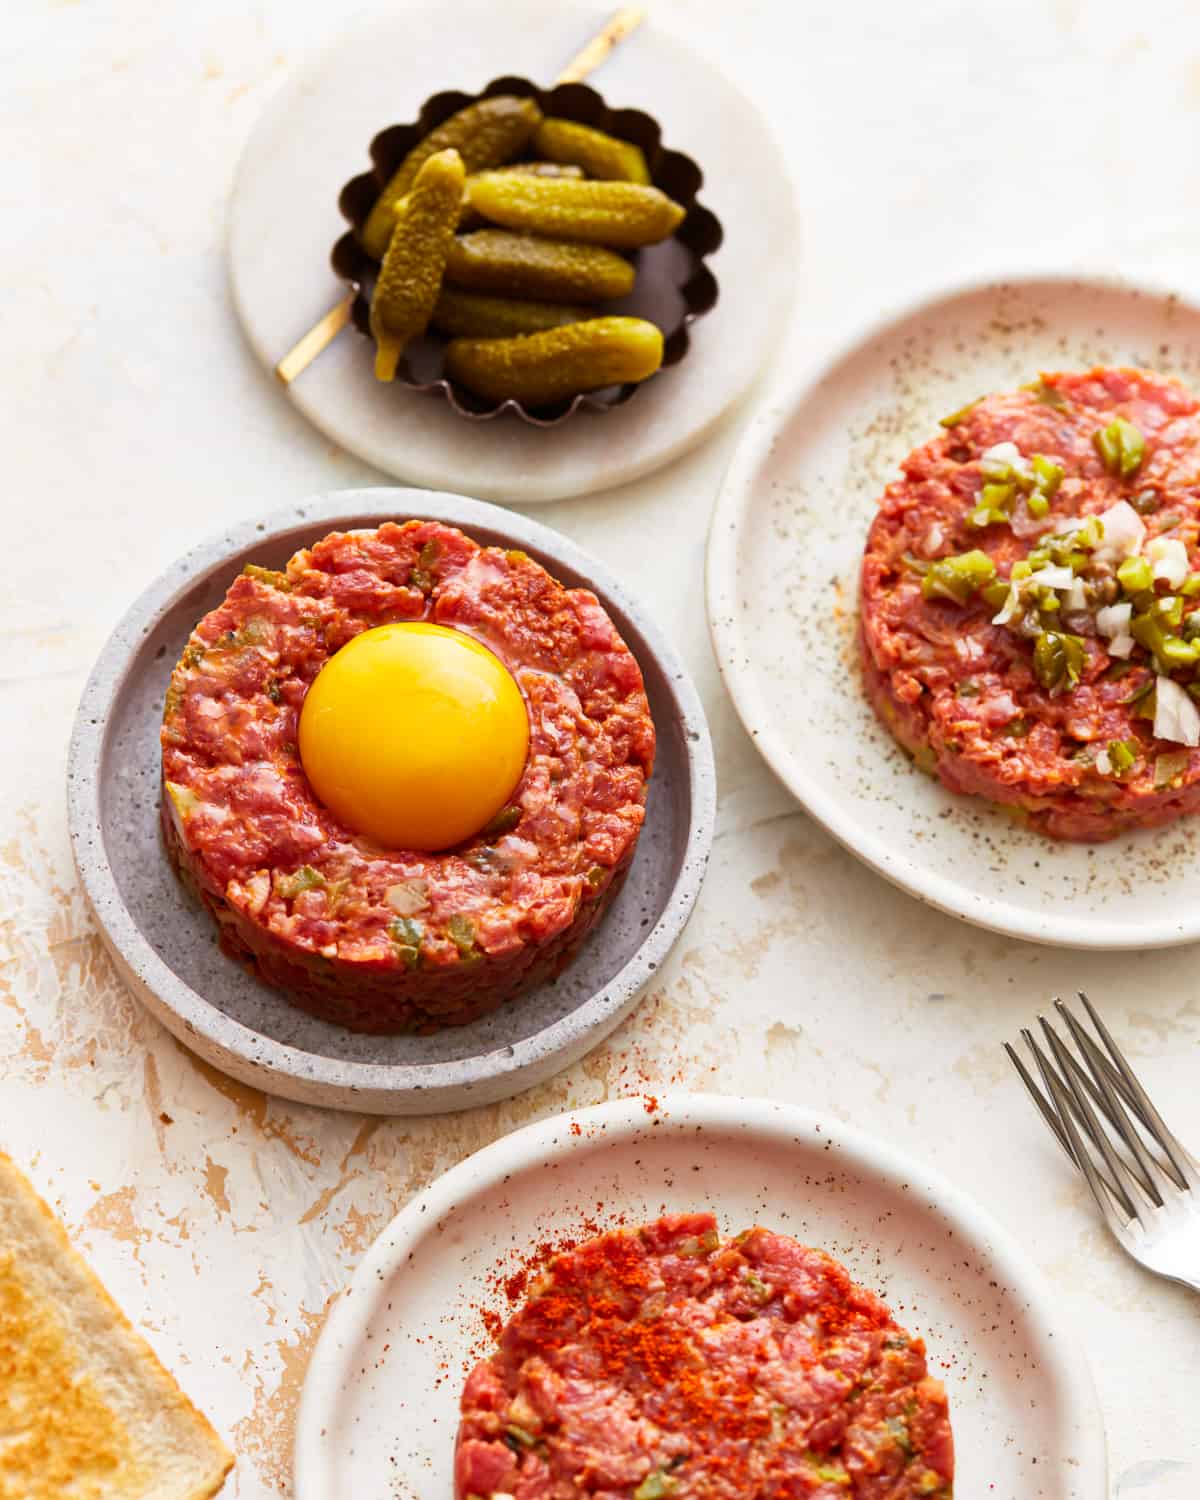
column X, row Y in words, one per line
column 1030, row 625
column 387, row 939
column 664, row 1361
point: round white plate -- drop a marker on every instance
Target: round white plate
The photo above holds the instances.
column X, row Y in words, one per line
column 313, row 138
column 380, row 1405
column 784, row 554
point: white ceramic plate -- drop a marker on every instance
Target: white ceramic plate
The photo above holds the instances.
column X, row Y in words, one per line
column 380, row 1405
column 783, row 561
column 283, row 221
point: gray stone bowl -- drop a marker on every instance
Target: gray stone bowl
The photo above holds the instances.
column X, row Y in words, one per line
column 164, row 943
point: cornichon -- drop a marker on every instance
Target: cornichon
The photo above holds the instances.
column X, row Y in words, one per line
column 957, row 578
column 411, row 275
column 544, row 367
column 484, row 134
column 1058, row 660
column 519, row 265
column 624, row 215
column 475, row 315
column 599, row 155
column 472, row 219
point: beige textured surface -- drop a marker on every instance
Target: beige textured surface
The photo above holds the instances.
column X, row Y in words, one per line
column 135, row 421
column 86, row 1411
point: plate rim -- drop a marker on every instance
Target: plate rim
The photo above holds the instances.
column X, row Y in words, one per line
column 726, row 528
column 282, row 1068
column 551, row 1140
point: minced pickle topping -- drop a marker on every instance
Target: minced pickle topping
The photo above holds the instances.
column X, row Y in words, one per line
column 1096, row 576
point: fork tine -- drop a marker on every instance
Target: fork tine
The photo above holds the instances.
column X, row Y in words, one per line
column 1147, row 1169
column 1078, row 1099
column 1057, row 1089
column 1045, row 1108
column 1154, row 1121
column 1088, row 1122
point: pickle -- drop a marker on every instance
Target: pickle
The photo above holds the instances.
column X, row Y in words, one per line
column 471, row 219
column 518, row 265
column 484, row 134
column 624, row 215
column 561, row 362
column 472, row 315
column 598, row 154
column 411, row 275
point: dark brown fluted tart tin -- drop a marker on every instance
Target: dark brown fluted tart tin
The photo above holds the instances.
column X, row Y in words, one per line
column 674, row 286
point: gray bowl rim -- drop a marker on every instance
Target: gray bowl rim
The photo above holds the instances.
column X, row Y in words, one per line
column 310, row 1073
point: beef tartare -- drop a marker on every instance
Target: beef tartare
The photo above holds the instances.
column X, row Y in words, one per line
column 386, row 939
column 665, row 1361
column 1030, row 610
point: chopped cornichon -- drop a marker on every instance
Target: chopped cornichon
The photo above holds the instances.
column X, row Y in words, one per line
column 1047, row 474
column 520, row 1435
column 961, row 414
column 461, row 932
column 304, row 879
column 1134, row 575
column 406, row 936
column 1121, row 447
column 957, row 578
column 655, row 1486
column 1039, row 506
column 1058, row 660
column 1122, row 754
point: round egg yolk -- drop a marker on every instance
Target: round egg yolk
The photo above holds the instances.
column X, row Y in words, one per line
column 414, row 735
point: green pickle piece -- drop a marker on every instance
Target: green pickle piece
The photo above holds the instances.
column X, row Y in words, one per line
column 411, row 275
column 1121, row 447
column 474, row 315
column 623, row 215
column 519, row 265
column 1058, row 660
column 484, row 134
column 599, row 155
column 541, row 368
column 958, row 578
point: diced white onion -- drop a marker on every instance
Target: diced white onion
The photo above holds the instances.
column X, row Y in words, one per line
column 934, row 538
column 1175, row 715
column 1113, row 619
column 1121, row 645
column 1011, row 607
column 1124, row 532
column 1103, row 764
column 996, row 461
column 1169, row 559
column 1077, row 598
column 1053, row 577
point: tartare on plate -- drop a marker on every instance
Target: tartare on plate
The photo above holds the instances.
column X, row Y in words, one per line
column 666, row 1361
column 1030, row 612
column 406, row 774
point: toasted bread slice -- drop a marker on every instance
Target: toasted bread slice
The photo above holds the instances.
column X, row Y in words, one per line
column 86, row 1410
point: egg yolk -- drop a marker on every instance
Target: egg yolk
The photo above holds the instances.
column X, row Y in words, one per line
column 414, row 735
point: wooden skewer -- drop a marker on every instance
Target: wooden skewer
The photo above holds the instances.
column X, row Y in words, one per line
column 322, row 333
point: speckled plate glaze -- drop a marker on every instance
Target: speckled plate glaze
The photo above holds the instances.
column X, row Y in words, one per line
column 380, row 1405
column 165, row 945
column 783, row 561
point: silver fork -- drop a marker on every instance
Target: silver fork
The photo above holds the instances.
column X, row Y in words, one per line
column 1145, row 1183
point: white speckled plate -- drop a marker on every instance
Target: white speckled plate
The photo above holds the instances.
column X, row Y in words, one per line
column 783, row 559
column 380, row 1404
column 284, row 219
